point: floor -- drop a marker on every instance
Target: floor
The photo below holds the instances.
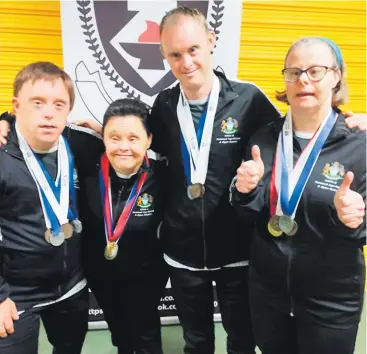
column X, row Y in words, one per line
column 98, row 341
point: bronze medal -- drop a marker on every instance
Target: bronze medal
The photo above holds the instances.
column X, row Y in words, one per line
column 68, row 230
column 294, row 229
column 195, row 191
column 48, row 235
column 111, row 250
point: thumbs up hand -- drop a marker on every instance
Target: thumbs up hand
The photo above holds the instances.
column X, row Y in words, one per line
column 250, row 172
column 349, row 204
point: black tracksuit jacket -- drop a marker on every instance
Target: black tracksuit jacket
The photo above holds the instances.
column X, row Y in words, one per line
column 320, row 271
column 207, row 232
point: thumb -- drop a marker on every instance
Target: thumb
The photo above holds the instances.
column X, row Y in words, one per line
column 345, row 186
column 256, row 155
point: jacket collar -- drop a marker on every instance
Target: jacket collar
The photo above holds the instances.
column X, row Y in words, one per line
column 339, row 131
column 227, row 92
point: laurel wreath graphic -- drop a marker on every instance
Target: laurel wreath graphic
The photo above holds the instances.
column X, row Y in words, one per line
column 84, row 10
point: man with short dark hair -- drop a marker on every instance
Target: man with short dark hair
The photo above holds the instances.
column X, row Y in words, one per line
column 40, row 268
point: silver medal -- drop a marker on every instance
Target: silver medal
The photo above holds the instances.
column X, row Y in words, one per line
column 77, row 225
column 57, row 239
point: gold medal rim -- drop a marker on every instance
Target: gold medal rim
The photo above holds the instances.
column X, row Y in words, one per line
column 274, row 232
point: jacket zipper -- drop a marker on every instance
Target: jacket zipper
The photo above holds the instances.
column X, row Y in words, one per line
column 290, row 257
column 203, row 230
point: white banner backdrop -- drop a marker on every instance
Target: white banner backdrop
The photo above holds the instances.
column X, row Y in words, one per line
column 111, row 51
column 111, row 48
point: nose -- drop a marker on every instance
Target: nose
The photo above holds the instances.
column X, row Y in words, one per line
column 187, row 61
column 48, row 111
column 304, row 78
column 123, row 145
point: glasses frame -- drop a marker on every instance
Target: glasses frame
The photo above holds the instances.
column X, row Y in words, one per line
column 327, row 68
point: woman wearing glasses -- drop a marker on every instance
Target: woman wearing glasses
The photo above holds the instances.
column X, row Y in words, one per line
column 305, row 182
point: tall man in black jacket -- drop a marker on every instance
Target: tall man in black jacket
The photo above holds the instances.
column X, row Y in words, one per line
column 40, row 270
column 202, row 125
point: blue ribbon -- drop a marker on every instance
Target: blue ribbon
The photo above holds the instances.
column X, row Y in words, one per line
column 56, row 189
column 289, row 204
column 184, row 149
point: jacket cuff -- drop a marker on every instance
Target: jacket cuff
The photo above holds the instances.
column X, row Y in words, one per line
column 7, row 117
column 238, row 198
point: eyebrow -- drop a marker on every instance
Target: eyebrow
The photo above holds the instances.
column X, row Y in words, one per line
column 33, row 98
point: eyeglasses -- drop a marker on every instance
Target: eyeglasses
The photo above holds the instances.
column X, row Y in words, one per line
column 314, row 73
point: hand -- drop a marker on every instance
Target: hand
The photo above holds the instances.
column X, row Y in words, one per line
column 4, row 131
column 89, row 123
column 250, row 172
column 349, row 204
column 8, row 314
column 356, row 120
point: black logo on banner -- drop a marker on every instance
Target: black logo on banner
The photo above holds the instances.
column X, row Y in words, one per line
column 124, row 40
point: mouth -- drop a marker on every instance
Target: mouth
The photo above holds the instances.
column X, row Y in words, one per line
column 47, row 127
column 190, row 72
column 305, row 94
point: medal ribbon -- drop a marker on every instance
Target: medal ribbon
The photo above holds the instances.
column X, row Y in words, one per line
column 114, row 233
column 184, row 150
column 290, row 194
column 54, row 195
column 195, row 145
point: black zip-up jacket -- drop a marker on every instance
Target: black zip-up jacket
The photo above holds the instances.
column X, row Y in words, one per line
column 207, row 232
column 320, row 270
column 32, row 271
column 138, row 245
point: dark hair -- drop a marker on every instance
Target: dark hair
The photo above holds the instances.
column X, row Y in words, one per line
column 185, row 11
column 128, row 107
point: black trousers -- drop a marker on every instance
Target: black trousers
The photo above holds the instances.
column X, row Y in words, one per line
column 276, row 331
column 130, row 306
column 65, row 322
column 193, row 294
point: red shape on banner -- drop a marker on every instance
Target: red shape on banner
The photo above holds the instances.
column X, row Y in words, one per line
column 151, row 34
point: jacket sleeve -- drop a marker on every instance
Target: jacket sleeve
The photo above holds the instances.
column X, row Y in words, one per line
column 4, row 287
column 86, row 145
column 158, row 128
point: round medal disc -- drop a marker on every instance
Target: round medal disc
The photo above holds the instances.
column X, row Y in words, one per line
column 58, row 239
column 294, row 229
column 274, row 232
column 68, row 230
column 274, row 223
column 111, row 250
column 286, row 224
column 77, row 225
column 195, row 191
